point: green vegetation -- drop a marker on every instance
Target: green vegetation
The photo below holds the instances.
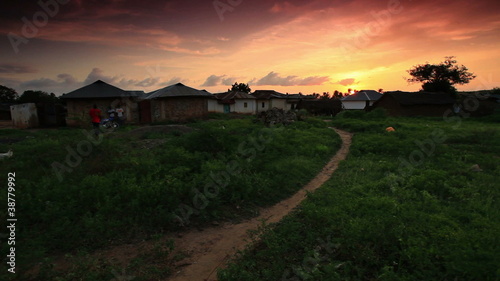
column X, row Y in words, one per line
column 128, row 186
column 404, row 205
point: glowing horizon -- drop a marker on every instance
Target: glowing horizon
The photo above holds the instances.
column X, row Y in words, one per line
column 287, row 46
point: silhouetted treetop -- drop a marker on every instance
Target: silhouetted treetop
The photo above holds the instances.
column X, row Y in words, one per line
column 440, row 77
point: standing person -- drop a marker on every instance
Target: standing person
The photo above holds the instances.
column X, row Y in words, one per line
column 95, row 115
column 111, row 112
column 119, row 113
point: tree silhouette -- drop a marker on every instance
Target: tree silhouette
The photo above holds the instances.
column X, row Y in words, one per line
column 37, row 96
column 337, row 94
column 440, row 77
column 241, row 87
column 7, row 94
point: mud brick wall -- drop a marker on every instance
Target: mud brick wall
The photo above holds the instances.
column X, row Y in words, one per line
column 178, row 108
column 78, row 110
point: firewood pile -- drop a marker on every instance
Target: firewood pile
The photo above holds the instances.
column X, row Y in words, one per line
column 277, row 116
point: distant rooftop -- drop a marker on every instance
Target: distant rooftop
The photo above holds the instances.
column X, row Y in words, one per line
column 267, row 94
column 363, row 95
column 100, row 89
column 233, row 95
column 177, row 90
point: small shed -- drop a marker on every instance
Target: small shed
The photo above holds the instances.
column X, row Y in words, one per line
column 293, row 101
column 268, row 99
column 176, row 102
column 24, row 115
column 415, row 104
column 363, row 99
column 233, row 101
column 104, row 95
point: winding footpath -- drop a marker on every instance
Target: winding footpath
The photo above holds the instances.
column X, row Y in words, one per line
column 211, row 248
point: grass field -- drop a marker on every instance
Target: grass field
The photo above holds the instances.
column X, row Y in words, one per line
column 405, row 205
column 75, row 194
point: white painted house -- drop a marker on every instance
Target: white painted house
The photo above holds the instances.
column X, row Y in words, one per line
column 233, row 102
column 360, row 100
column 268, row 99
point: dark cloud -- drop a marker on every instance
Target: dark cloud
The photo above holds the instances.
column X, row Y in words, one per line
column 212, row 80
column 191, row 29
column 215, row 80
column 67, row 79
column 98, row 74
column 134, row 21
column 63, row 81
column 66, row 82
column 16, row 68
column 11, row 83
column 228, row 81
column 172, row 81
column 274, row 79
column 120, row 81
column 148, row 82
column 41, row 83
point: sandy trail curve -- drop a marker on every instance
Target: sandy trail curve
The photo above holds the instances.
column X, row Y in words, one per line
column 211, row 248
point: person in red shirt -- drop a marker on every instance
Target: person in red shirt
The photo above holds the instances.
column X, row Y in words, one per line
column 95, row 115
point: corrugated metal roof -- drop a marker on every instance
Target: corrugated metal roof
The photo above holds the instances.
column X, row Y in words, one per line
column 98, row 89
column 177, row 90
column 233, row 95
column 418, row 98
column 364, row 95
column 267, row 94
column 299, row 96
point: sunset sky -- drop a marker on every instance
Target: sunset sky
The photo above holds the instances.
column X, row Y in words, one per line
column 288, row 46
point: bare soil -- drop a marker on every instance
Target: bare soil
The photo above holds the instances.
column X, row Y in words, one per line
column 211, row 248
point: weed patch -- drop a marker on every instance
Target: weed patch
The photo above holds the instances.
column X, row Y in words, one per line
column 123, row 191
column 436, row 219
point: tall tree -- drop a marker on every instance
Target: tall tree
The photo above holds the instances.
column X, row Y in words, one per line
column 440, row 77
column 7, row 94
column 37, row 96
column 240, row 87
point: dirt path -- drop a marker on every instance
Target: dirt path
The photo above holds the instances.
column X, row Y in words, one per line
column 211, row 248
